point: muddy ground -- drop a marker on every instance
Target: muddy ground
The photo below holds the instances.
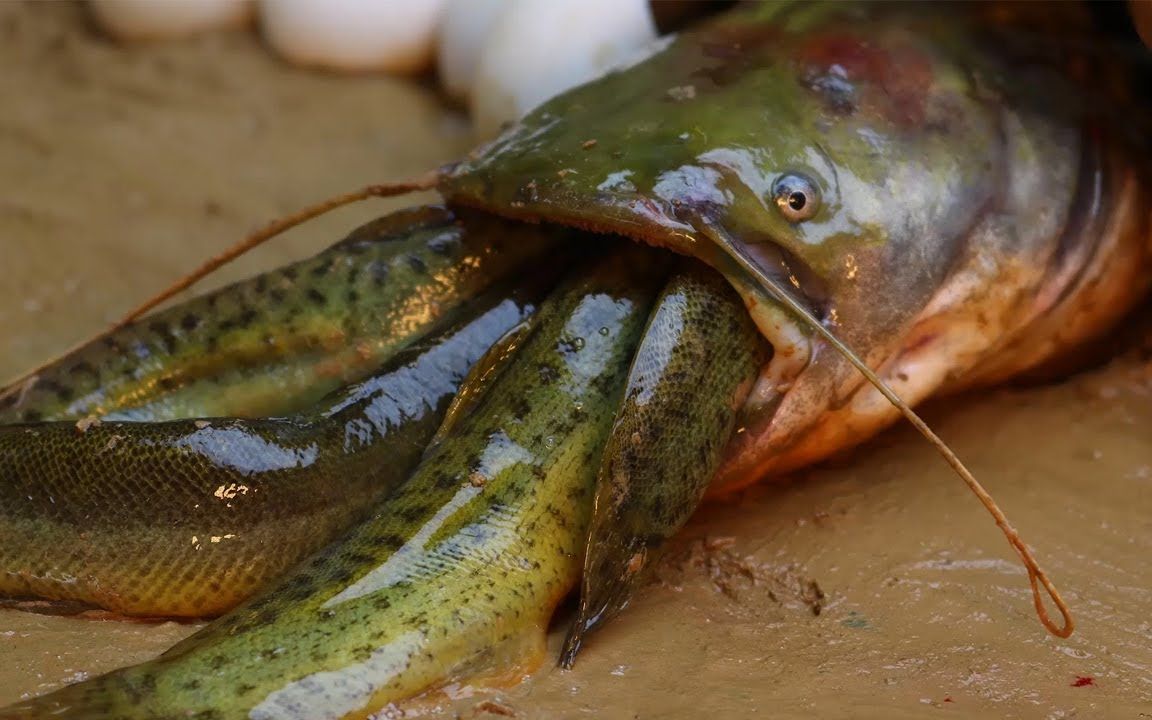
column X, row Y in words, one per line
column 874, row 586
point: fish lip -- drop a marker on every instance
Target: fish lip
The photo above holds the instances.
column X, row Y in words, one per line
column 792, row 347
column 695, row 232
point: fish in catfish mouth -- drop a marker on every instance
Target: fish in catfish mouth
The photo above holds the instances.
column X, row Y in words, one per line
column 943, row 201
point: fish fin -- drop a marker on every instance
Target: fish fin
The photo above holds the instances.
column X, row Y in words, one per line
column 505, row 666
column 486, row 370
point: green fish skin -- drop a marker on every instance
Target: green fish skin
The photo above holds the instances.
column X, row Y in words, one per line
column 457, row 573
column 178, row 518
column 927, row 179
column 279, row 342
column 700, row 355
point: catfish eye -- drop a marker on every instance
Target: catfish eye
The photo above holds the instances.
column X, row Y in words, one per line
column 797, row 197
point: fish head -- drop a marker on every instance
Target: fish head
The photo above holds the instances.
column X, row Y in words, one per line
column 820, row 150
column 842, row 154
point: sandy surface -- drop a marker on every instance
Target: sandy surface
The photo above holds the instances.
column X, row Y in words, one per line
column 121, row 168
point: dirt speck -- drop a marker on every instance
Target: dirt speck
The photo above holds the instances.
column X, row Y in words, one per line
column 493, row 707
column 84, row 424
column 734, row 575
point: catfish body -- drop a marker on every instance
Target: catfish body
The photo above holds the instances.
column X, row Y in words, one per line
column 949, row 203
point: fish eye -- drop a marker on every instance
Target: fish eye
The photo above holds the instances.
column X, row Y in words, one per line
column 796, row 196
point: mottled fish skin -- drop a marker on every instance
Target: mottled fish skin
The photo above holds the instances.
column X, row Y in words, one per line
column 937, row 190
column 280, row 341
column 190, row 517
column 693, row 370
column 457, row 573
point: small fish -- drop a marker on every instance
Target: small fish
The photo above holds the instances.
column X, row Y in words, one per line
column 176, row 519
column 282, row 340
column 689, row 379
column 455, row 575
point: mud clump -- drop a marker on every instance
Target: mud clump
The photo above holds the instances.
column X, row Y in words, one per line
column 736, row 576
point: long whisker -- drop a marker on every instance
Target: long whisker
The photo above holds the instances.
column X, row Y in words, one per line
column 24, row 382
column 1036, row 576
column 271, row 230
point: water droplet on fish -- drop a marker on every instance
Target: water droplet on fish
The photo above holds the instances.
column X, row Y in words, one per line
column 550, row 442
column 604, row 331
column 579, row 406
column 578, row 343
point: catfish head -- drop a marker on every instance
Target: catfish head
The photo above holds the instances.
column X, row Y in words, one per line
column 815, row 150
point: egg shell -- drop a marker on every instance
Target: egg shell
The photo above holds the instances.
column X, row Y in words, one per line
column 395, row 36
column 464, row 30
column 539, row 49
column 153, row 20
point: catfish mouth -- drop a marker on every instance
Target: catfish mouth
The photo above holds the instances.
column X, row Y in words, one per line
column 767, row 278
column 781, row 294
column 763, row 276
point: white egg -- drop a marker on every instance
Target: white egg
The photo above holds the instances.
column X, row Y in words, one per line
column 464, row 29
column 152, row 20
column 540, row 48
column 395, row 36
